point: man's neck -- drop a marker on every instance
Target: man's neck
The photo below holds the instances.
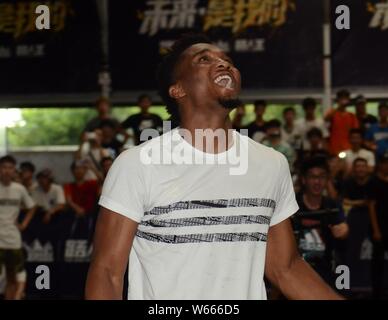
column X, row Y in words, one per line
column 312, row 201
column 361, row 180
column 5, row 183
column 356, row 148
column 259, row 120
column 341, row 108
column 310, row 117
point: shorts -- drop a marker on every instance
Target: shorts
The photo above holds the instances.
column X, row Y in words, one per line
column 13, row 260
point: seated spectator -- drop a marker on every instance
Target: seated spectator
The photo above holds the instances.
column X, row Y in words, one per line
column 357, row 151
column 27, row 170
column 143, row 120
column 274, row 140
column 81, row 195
column 103, row 110
column 379, row 222
column 109, row 140
column 310, row 121
column 341, row 122
column 365, row 120
column 238, row 117
column 48, row 196
column 256, row 129
column 316, row 237
column 290, row 131
column 377, row 135
column 92, row 151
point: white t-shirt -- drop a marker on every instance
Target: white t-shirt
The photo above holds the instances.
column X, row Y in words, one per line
column 55, row 196
column 304, row 126
column 362, row 153
column 12, row 199
column 202, row 231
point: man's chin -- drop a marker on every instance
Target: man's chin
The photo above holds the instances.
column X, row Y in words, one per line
column 229, row 103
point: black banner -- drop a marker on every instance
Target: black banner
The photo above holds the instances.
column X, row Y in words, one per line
column 274, row 43
column 62, row 59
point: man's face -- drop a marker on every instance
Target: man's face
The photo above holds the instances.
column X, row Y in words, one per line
column 44, row 183
column 26, row 174
column 7, row 171
column 361, row 108
column 289, row 116
column 206, row 74
column 310, row 110
column 103, row 107
column 355, row 140
column 315, row 181
column 383, row 113
column 260, row 110
column 360, row 169
column 315, row 140
column 343, row 101
column 144, row 104
column 79, row 172
column 107, row 133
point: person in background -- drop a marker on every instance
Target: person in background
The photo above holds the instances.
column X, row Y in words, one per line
column 274, row 140
column 256, row 129
column 377, row 135
column 143, row 120
column 12, row 197
column 27, row 170
column 106, row 163
column 337, row 176
column 341, row 122
column 48, row 196
column 238, row 117
column 81, row 195
column 365, row 120
column 309, row 121
column 103, row 113
column 317, row 238
column 109, row 140
column 290, row 131
column 357, row 151
column 91, row 150
column 379, row 222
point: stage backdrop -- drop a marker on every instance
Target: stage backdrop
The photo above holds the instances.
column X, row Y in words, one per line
column 275, row 43
column 63, row 59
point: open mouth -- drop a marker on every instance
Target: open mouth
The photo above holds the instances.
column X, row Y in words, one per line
column 224, row 81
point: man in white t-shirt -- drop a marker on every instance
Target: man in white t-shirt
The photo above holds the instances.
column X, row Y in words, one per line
column 13, row 197
column 357, row 151
column 196, row 222
column 48, row 196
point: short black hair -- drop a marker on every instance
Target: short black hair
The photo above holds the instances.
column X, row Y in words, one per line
column 314, row 132
column 356, row 131
column 359, row 160
column 273, row 124
column 288, row 109
column 8, row 159
column 315, row 162
column 143, row 96
column 343, row 94
column 27, row 165
column 166, row 70
column 309, row 102
column 258, row 103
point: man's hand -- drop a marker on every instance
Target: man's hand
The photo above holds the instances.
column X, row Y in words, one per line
column 340, row 231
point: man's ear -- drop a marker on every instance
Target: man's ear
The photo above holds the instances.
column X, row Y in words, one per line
column 176, row 91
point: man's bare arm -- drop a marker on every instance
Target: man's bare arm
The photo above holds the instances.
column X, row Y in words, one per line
column 112, row 244
column 288, row 271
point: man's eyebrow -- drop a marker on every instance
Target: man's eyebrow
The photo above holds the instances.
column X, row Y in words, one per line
column 200, row 52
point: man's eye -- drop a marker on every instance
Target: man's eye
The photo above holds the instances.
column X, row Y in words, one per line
column 204, row 59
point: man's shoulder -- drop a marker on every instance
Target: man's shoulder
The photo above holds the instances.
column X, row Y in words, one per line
column 18, row 187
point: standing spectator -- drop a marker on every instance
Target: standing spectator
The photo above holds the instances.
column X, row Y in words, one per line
column 310, row 121
column 337, row 168
column 316, row 146
column 92, row 151
column 239, row 115
column 357, row 151
column 379, row 222
column 377, row 135
column 365, row 120
column 81, row 195
column 256, row 129
column 317, row 238
column 27, row 170
column 341, row 122
column 106, row 163
column 12, row 196
column 48, row 196
column 109, row 140
column 274, row 140
column 290, row 131
column 143, row 120
column 103, row 110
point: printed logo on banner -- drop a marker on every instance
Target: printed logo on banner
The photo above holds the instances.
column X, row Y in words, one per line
column 36, row 252
column 77, row 250
column 380, row 14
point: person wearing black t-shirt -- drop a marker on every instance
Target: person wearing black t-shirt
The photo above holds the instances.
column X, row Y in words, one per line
column 378, row 211
column 317, row 236
column 143, row 120
column 365, row 119
column 256, row 129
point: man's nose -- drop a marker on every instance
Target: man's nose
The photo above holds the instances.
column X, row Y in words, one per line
column 221, row 63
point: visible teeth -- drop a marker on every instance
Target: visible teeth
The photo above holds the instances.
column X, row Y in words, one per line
column 227, row 81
